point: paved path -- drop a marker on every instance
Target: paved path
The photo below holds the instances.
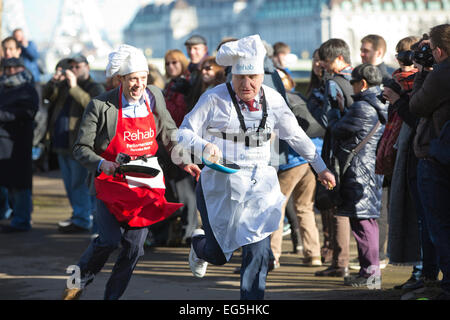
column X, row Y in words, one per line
column 33, row 265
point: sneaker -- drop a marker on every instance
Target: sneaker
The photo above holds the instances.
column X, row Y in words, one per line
column 286, row 229
column 312, row 261
column 354, row 264
column 75, row 293
column 64, row 223
column 361, row 281
column 198, row 266
column 273, row 264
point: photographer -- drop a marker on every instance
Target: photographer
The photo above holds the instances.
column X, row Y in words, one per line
column 69, row 92
column 409, row 240
column 431, row 102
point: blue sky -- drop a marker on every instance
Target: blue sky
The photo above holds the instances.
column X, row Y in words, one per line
column 41, row 16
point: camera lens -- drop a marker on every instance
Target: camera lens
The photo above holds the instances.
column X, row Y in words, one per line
column 424, row 56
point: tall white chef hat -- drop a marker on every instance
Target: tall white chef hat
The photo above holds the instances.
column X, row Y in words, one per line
column 127, row 59
column 246, row 55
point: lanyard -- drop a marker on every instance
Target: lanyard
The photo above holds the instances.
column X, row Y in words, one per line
column 251, row 138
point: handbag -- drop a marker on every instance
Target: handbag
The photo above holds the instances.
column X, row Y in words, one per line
column 326, row 199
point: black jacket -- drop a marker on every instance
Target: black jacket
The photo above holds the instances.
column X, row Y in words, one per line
column 18, row 106
column 430, row 101
column 360, row 187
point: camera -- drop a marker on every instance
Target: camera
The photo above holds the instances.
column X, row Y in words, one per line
column 394, row 86
column 255, row 138
column 423, row 55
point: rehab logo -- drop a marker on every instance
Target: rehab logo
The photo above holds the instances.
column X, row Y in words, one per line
column 138, row 135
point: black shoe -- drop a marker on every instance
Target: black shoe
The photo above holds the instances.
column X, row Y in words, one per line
column 72, row 228
column 409, row 284
column 11, row 229
column 333, row 272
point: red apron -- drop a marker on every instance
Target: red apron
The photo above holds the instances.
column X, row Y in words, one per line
column 138, row 205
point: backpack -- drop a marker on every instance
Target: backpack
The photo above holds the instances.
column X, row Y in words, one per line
column 304, row 117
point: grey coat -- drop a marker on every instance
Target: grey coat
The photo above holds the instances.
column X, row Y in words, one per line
column 98, row 128
column 403, row 240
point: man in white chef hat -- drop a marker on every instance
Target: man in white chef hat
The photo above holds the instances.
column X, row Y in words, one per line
column 235, row 121
column 126, row 120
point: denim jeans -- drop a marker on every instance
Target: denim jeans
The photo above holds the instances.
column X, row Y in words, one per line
column 433, row 182
column 111, row 234
column 255, row 256
column 74, row 177
column 22, row 206
column 429, row 267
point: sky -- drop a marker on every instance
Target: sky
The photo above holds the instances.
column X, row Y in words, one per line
column 42, row 16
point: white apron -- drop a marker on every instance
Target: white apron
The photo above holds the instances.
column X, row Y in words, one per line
column 243, row 207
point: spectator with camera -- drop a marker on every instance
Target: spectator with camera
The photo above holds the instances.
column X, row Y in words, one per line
column 69, row 92
column 409, row 240
column 334, row 55
column 29, row 53
column 430, row 101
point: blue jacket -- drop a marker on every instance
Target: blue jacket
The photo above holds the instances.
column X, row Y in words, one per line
column 30, row 57
column 294, row 159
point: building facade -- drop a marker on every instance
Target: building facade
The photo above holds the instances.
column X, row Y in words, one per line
column 303, row 24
